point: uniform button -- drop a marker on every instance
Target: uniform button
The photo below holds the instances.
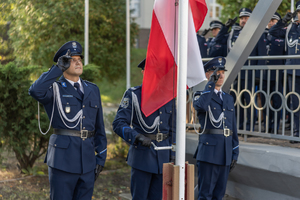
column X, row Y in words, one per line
column 160, row 122
column 135, row 146
column 129, row 140
column 160, row 112
column 214, row 108
column 171, row 111
column 223, row 109
column 225, row 126
column 83, row 128
column 83, row 117
column 231, row 109
column 206, row 142
column 83, row 106
column 224, row 117
column 67, row 102
column 95, row 106
column 55, row 145
column 209, row 86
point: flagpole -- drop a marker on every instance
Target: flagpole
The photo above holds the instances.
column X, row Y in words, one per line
column 127, row 45
column 86, row 32
column 181, row 93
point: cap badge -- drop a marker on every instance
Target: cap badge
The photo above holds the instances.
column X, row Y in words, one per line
column 220, row 61
column 74, row 45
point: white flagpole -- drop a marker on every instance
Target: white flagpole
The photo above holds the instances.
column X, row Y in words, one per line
column 86, row 32
column 127, row 45
column 181, row 93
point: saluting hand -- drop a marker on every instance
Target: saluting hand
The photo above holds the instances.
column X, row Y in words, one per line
column 288, row 17
column 204, row 32
column 64, row 61
column 214, row 77
column 230, row 22
column 232, row 165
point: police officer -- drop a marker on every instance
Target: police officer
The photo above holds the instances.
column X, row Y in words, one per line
column 202, row 45
column 216, row 48
column 218, row 147
column 275, row 46
column 75, row 112
column 292, row 35
column 140, row 131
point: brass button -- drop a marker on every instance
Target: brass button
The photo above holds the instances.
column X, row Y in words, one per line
column 223, row 109
column 224, row 117
column 67, row 102
column 83, row 128
column 214, row 108
column 206, row 142
column 129, row 140
column 231, row 109
column 95, row 106
column 209, row 86
column 83, row 106
column 83, row 117
column 160, row 122
column 135, row 146
column 171, row 111
column 55, row 145
column 160, row 112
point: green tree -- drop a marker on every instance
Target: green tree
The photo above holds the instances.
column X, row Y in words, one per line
column 6, row 50
column 18, row 115
column 40, row 27
column 231, row 7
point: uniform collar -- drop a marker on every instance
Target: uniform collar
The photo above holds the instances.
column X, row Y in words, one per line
column 79, row 81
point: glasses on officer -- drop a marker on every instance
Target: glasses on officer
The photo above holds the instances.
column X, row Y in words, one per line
column 74, row 60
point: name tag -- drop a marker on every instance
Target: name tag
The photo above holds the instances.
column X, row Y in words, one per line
column 67, row 95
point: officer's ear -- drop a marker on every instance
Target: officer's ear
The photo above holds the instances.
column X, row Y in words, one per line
column 143, row 72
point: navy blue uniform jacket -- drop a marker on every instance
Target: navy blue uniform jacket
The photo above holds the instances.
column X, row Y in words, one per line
column 141, row 157
column 70, row 153
column 216, row 148
column 292, row 34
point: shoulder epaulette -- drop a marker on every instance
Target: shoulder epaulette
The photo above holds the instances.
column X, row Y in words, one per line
column 85, row 81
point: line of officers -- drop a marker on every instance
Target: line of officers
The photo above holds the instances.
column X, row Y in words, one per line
column 281, row 37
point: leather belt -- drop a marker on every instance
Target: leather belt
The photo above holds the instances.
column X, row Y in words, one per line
column 226, row 132
column 158, row 137
column 83, row 134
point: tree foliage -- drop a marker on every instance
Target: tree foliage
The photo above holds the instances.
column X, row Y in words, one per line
column 38, row 28
column 18, row 115
column 231, row 7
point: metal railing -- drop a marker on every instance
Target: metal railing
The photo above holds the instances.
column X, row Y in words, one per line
column 260, row 100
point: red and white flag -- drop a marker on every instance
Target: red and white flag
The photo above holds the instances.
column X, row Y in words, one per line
column 160, row 77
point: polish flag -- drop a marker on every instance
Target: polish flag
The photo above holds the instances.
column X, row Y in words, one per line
column 160, row 76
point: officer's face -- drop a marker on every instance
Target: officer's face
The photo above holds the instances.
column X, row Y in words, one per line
column 215, row 32
column 243, row 21
column 272, row 22
column 298, row 14
column 76, row 67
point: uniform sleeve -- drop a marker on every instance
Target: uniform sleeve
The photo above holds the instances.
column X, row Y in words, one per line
column 262, row 49
column 100, row 136
column 277, row 30
column 202, row 99
column 235, row 140
column 41, row 89
column 121, row 123
column 222, row 36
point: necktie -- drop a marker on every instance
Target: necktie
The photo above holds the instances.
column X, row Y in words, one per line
column 220, row 95
column 77, row 86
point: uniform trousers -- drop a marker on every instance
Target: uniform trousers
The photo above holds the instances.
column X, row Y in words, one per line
column 145, row 185
column 212, row 180
column 70, row 186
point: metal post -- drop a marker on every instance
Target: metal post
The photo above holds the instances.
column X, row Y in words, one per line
column 86, row 32
column 127, row 45
column 181, row 93
column 292, row 6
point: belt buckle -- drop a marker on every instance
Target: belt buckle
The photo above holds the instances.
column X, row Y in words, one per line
column 159, row 137
column 84, row 134
column 226, row 132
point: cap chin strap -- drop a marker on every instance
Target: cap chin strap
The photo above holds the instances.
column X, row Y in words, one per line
column 63, row 117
